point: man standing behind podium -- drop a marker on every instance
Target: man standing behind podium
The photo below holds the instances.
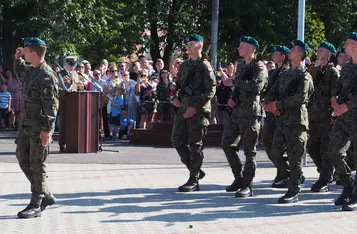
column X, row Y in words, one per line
column 70, row 83
column 40, row 88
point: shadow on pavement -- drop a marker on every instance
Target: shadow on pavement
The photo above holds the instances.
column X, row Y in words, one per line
column 182, row 207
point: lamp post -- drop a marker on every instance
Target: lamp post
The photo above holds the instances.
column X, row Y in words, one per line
column 214, row 33
column 301, row 20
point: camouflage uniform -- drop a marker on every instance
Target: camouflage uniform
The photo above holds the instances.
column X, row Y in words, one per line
column 266, row 137
column 325, row 84
column 196, row 86
column 291, row 93
column 344, row 132
column 243, row 126
column 40, row 89
column 70, row 80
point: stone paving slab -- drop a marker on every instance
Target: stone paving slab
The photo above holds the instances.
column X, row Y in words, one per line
column 129, row 198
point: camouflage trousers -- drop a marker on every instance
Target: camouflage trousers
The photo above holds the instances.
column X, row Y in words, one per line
column 294, row 140
column 317, row 146
column 187, row 138
column 242, row 132
column 343, row 135
column 266, row 139
column 31, row 156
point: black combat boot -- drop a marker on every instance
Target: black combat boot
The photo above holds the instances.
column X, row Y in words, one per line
column 190, row 186
column 235, row 186
column 244, row 192
column 345, row 196
column 32, row 210
column 351, row 205
column 201, row 175
column 282, row 183
column 320, row 186
column 291, row 196
column 48, row 200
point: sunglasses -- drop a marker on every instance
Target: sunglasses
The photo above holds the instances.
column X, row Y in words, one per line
column 96, row 74
column 113, row 70
column 122, row 66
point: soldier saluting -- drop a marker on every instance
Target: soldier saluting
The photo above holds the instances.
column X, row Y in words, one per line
column 40, row 88
column 196, row 86
column 69, row 82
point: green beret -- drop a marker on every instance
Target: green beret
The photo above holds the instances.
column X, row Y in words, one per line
column 71, row 60
column 352, row 36
column 302, row 45
column 194, row 37
column 34, row 41
column 328, row 46
column 249, row 40
column 283, row 49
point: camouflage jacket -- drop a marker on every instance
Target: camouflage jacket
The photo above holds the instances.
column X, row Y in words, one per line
column 273, row 76
column 325, row 86
column 347, row 91
column 195, row 86
column 72, row 79
column 41, row 94
column 291, row 92
column 249, row 84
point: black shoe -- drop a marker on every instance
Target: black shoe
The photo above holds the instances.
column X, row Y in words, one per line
column 62, row 149
column 235, row 186
column 351, row 205
column 246, row 192
column 320, row 186
column 201, row 175
column 31, row 211
column 302, row 179
column 290, row 197
column 280, row 184
column 190, row 186
column 345, row 196
column 48, row 200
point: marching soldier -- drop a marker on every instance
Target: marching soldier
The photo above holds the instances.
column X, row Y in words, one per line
column 196, row 86
column 281, row 58
column 287, row 101
column 40, row 88
column 243, row 126
column 344, row 131
column 325, row 77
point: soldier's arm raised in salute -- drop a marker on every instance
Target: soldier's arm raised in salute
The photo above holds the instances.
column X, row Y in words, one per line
column 19, row 64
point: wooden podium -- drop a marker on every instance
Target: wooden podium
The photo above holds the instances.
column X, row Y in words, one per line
column 82, row 122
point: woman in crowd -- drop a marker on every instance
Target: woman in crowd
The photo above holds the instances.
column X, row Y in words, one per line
column 164, row 94
column 131, row 89
column 147, row 100
column 15, row 89
column 135, row 73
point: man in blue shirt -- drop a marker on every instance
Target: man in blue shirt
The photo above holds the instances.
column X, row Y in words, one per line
column 116, row 109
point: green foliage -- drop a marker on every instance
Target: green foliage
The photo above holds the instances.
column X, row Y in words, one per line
column 97, row 29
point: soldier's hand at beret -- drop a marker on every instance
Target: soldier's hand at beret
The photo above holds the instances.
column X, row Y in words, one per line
column 190, row 111
column 176, row 102
column 341, row 109
column 19, row 52
column 45, row 137
column 231, row 103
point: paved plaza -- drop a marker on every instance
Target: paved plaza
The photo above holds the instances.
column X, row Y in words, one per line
column 134, row 191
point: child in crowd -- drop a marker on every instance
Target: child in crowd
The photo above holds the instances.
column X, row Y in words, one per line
column 116, row 109
column 5, row 106
column 125, row 125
